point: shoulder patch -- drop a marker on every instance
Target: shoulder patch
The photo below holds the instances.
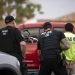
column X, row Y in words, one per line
column 4, row 32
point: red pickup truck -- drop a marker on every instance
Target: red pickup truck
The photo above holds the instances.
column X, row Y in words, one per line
column 31, row 32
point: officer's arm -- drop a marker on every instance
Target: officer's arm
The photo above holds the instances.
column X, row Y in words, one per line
column 20, row 39
column 23, row 47
column 65, row 43
column 38, row 47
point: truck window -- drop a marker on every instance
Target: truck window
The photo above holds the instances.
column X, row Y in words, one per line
column 59, row 28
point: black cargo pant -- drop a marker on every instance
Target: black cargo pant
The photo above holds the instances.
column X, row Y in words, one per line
column 50, row 65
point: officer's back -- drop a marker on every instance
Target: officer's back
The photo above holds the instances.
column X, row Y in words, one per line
column 49, row 41
column 7, row 40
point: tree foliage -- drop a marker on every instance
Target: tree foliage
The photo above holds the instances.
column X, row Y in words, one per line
column 24, row 8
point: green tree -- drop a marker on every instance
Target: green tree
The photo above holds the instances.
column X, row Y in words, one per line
column 23, row 8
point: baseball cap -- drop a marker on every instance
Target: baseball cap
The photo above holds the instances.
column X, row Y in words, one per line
column 9, row 19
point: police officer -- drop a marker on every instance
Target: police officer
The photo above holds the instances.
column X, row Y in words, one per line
column 70, row 53
column 11, row 41
column 49, row 49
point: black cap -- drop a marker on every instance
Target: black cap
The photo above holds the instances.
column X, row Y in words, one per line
column 9, row 19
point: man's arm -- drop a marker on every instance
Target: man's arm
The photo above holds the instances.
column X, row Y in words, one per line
column 65, row 44
column 23, row 47
column 19, row 38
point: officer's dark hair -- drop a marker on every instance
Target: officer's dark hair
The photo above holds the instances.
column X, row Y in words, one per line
column 47, row 25
column 69, row 27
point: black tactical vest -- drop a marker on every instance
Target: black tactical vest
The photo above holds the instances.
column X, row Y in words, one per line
column 50, row 43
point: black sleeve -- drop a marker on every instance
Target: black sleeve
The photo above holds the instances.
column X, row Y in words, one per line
column 18, row 35
column 38, row 45
column 62, row 36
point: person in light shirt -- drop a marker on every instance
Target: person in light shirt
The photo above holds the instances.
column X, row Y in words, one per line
column 70, row 53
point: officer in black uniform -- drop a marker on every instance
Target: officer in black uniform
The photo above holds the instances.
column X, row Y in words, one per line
column 11, row 40
column 49, row 50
